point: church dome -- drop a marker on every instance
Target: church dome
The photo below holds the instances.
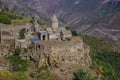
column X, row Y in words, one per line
column 54, row 18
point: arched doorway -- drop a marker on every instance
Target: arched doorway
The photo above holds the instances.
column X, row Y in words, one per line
column 44, row 37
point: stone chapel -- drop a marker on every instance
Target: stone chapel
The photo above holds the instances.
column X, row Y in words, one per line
column 54, row 32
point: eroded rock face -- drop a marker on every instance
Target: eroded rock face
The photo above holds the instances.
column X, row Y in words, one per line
column 5, row 50
column 4, row 64
column 63, row 58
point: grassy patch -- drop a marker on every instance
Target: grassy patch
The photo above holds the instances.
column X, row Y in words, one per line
column 8, row 75
column 42, row 74
column 8, row 17
column 81, row 75
column 18, row 64
column 20, row 21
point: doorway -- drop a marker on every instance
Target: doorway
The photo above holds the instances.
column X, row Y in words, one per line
column 61, row 35
column 44, row 37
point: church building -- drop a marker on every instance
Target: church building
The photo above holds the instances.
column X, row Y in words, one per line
column 54, row 32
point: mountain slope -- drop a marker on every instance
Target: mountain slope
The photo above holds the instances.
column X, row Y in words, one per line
column 84, row 16
column 16, row 7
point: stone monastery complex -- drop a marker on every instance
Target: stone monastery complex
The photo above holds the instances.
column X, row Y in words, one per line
column 54, row 32
column 54, row 47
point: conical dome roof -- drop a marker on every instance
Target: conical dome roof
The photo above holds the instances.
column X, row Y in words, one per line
column 54, row 18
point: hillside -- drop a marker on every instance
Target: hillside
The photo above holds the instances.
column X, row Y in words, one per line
column 80, row 57
column 16, row 7
column 8, row 17
column 84, row 16
column 105, row 57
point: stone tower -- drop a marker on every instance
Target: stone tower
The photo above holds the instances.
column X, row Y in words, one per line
column 54, row 22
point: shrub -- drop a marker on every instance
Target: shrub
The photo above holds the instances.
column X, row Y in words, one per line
column 32, row 20
column 4, row 19
column 17, row 51
column 32, row 75
column 44, row 74
column 18, row 64
column 110, row 63
column 41, row 22
column 67, row 27
column 81, row 75
column 22, row 34
column 74, row 33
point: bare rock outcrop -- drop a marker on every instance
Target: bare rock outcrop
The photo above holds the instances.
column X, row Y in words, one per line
column 5, row 50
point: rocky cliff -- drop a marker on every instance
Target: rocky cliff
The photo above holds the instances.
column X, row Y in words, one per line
column 5, row 50
column 63, row 58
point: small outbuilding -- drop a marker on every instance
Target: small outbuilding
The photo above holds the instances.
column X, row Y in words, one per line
column 43, row 35
column 21, row 43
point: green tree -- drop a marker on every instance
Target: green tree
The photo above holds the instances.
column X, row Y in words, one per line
column 17, row 51
column 22, row 33
column 74, row 33
column 67, row 27
column 105, row 60
column 4, row 19
column 32, row 20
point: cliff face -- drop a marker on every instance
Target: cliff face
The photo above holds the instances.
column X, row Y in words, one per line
column 63, row 58
column 5, row 50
